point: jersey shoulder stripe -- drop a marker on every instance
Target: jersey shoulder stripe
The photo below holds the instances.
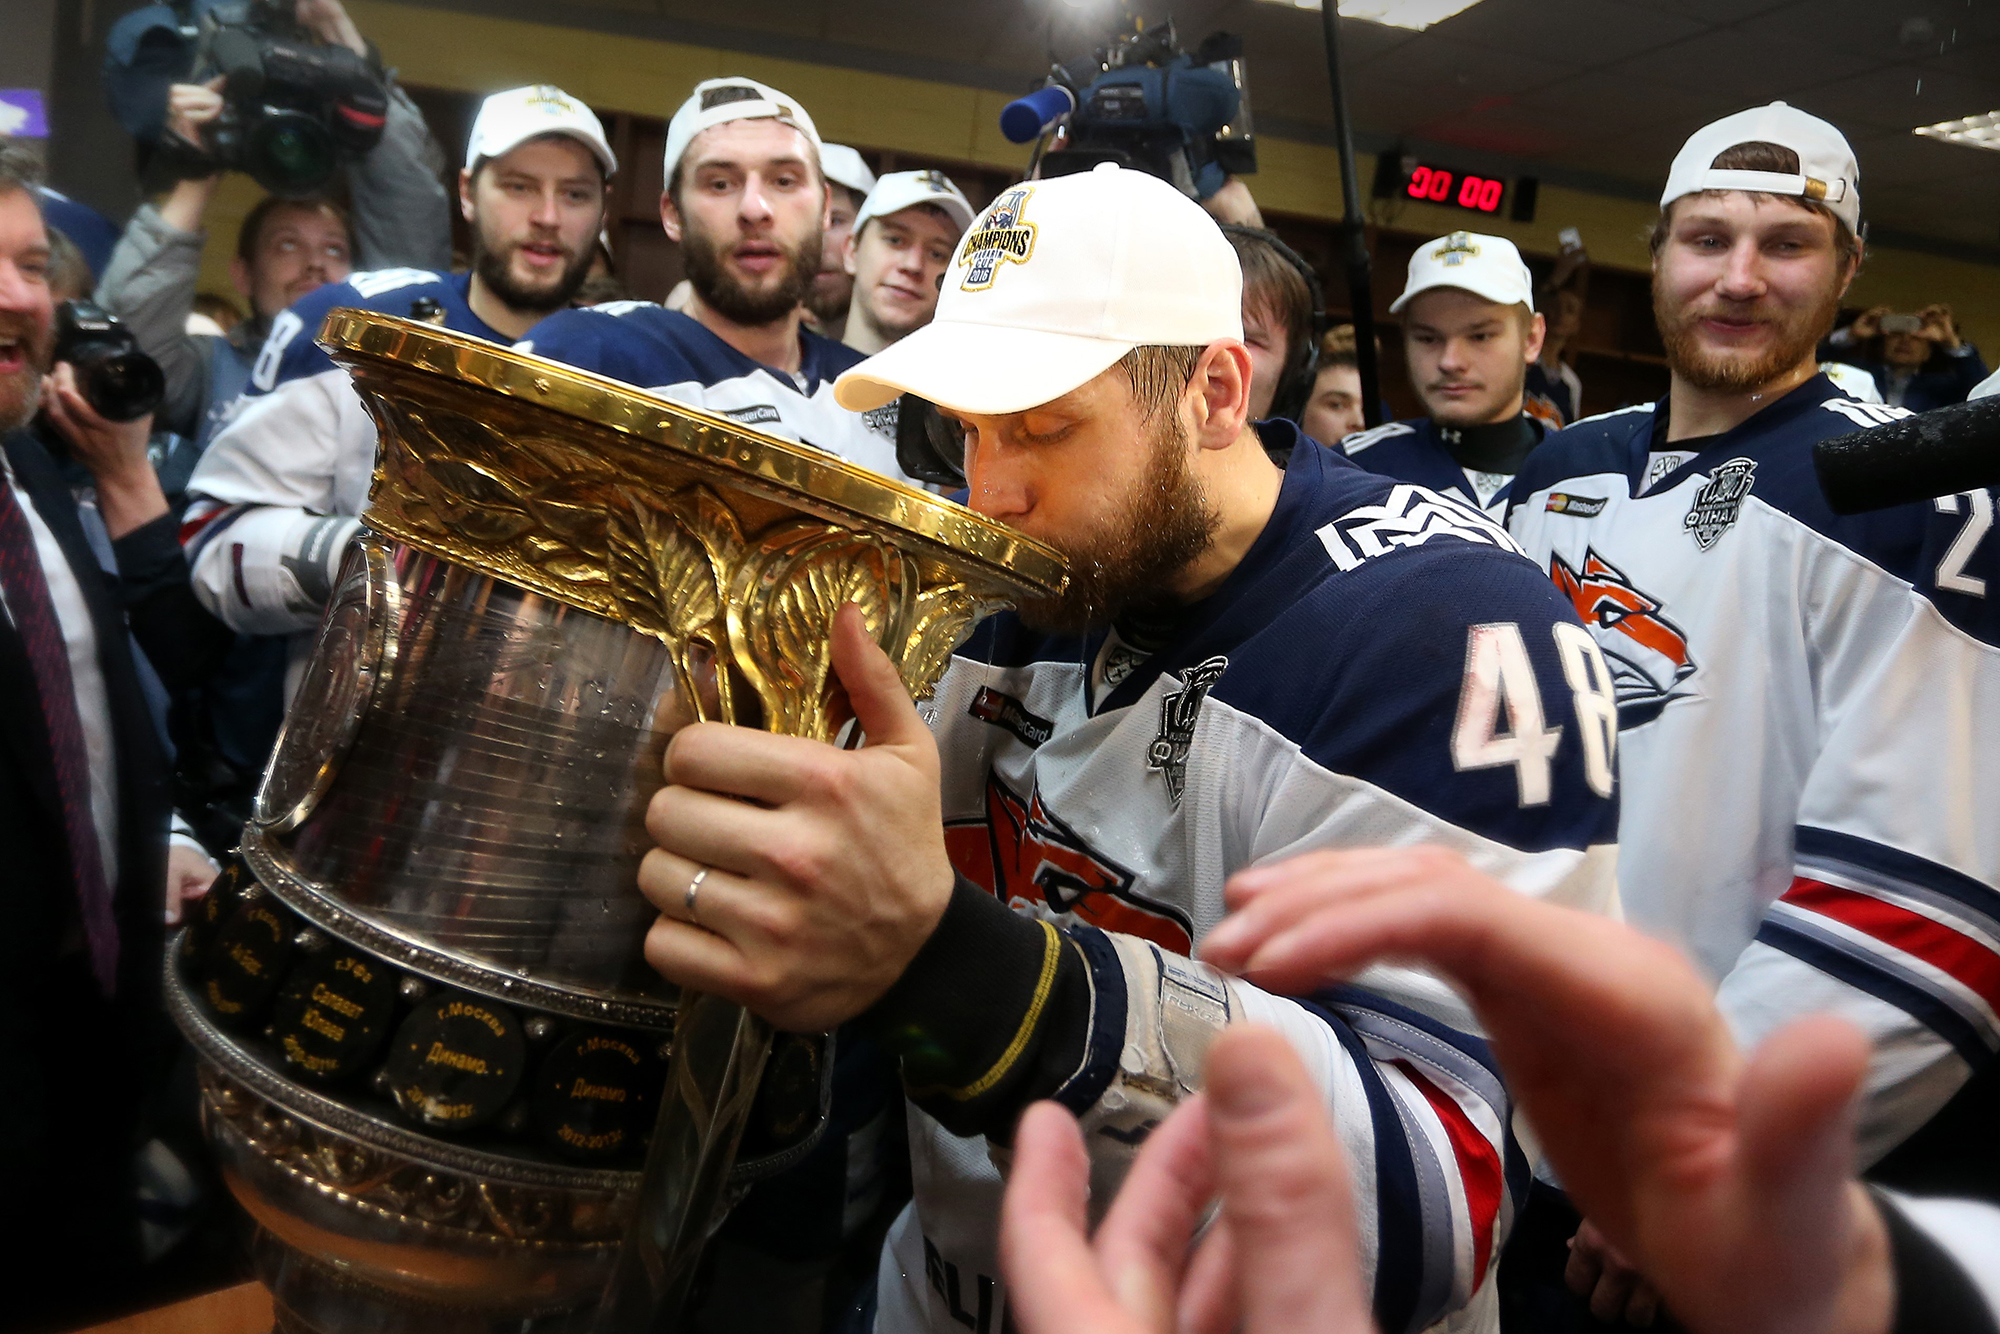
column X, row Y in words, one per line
column 1627, row 411
column 1351, row 445
column 1913, row 933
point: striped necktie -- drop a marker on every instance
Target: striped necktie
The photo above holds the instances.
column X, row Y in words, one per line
column 26, row 590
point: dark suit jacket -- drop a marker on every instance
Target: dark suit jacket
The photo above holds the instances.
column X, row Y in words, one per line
column 73, row 1066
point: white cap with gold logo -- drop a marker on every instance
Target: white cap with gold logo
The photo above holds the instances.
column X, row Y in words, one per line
column 1051, row 285
column 508, row 120
column 1486, row 266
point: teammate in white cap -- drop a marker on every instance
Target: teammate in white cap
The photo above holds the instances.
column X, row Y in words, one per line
column 747, row 201
column 896, row 255
column 1807, row 802
column 848, row 181
column 1006, row 885
column 1470, row 332
column 278, row 489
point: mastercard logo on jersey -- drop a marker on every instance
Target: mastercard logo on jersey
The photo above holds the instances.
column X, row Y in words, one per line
column 1583, row 507
column 1025, row 856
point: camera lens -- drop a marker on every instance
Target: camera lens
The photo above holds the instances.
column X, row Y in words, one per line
column 290, row 153
column 122, row 386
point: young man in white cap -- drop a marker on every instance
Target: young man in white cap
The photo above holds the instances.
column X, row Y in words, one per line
column 1805, row 701
column 277, row 491
column 747, row 201
column 1005, row 885
column 848, row 182
column 896, row 255
column 1470, row 332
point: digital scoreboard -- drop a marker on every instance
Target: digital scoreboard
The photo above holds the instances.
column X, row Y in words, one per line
column 1402, row 177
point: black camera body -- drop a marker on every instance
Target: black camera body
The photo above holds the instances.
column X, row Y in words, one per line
column 122, row 383
column 1146, row 103
column 293, row 110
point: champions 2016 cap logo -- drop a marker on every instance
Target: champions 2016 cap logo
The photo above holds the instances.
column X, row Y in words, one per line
column 550, row 101
column 998, row 238
column 1457, row 248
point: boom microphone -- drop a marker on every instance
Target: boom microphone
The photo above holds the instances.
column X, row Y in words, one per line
column 1935, row 453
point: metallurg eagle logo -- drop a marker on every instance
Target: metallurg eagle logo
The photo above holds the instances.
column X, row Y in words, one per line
column 1647, row 653
column 1024, row 854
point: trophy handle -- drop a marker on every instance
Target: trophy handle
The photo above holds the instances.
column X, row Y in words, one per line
column 719, row 1053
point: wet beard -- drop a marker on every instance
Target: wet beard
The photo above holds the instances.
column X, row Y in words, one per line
column 708, row 272
column 1798, row 334
column 1129, row 564
column 495, row 272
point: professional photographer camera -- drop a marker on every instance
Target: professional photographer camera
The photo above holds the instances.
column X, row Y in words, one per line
column 287, row 246
column 120, row 382
column 302, row 93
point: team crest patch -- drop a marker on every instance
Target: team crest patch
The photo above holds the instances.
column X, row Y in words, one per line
column 1010, row 714
column 1025, row 855
column 1179, row 709
column 1719, row 501
column 882, row 420
column 1647, row 653
column 1000, row 237
column 1457, row 248
column 1410, row 517
column 1583, row 507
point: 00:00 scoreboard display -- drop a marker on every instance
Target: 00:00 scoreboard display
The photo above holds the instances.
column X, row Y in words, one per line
column 1408, row 178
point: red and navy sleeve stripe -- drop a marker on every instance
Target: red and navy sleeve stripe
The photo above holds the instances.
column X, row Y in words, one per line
column 1910, row 932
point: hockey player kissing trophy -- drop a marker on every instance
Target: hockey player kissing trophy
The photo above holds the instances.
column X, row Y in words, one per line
column 431, row 1050
column 1004, row 885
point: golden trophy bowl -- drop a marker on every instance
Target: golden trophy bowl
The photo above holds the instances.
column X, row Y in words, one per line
column 436, row 1069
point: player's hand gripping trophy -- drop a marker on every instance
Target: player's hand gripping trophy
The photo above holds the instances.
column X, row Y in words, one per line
column 432, row 1052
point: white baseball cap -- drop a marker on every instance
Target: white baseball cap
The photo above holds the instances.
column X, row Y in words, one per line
column 1487, row 266
column 902, row 189
column 1827, row 171
column 843, row 166
column 508, row 120
column 719, row 101
column 1051, row 285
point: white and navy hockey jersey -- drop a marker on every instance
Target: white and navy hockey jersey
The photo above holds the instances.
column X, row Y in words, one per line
column 674, row 355
column 276, row 492
column 1810, row 726
column 1410, row 451
column 1382, row 669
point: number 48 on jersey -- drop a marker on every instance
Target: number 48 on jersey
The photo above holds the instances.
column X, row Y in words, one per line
column 1501, row 720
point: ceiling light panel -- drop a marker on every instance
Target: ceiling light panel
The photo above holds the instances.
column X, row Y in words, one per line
column 1972, row 131
column 1416, row 15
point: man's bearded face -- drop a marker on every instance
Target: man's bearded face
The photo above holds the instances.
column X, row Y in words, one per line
column 1130, row 559
column 1744, row 288
column 749, row 279
column 26, row 311
column 535, row 223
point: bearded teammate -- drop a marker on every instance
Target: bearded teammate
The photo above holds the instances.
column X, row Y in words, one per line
column 747, row 201
column 1248, row 663
column 1470, row 332
column 1807, row 702
column 277, row 491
